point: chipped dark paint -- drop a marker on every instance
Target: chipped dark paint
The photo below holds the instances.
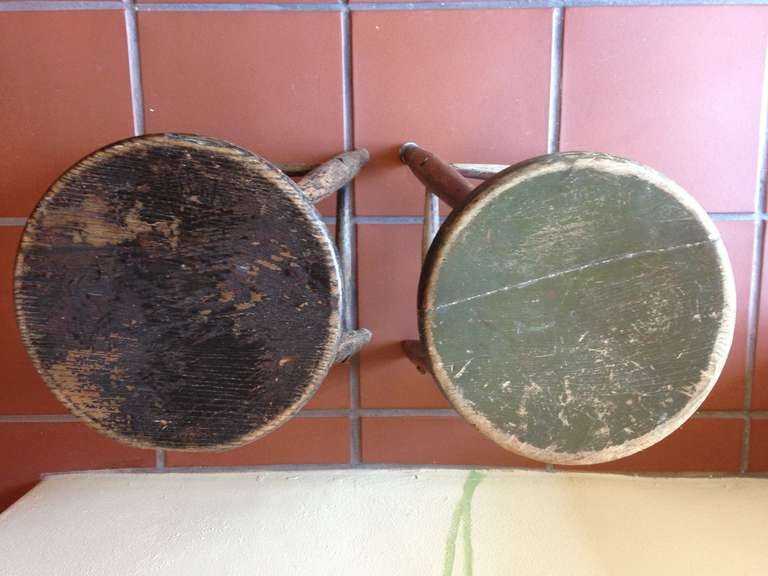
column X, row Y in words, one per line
column 578, row 309
column 163, row 282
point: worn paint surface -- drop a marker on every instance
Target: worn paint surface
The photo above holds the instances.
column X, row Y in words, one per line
column 385, row 523
column 462, row 517
column 178, row 292
column 578, row 309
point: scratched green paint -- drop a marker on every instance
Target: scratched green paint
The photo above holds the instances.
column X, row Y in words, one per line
column 462, row 516
column 579, row 309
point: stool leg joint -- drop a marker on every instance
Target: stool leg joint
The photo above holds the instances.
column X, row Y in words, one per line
column 351, row 343
column 417, row 354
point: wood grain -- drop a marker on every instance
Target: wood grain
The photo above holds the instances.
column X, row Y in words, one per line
column 330, row 176
column 178, row 292
column 578, row 308
column 439, row 177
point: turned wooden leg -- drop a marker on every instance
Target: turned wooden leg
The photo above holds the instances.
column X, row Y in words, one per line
column 325, row 179
column 416, row 353
column 351, row 343
column 438, row 176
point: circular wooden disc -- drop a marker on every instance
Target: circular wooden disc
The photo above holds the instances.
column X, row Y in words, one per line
column 178, row 292
column 578, row 308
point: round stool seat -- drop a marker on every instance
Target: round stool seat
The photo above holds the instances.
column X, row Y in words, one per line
column 578, row 308
column 178, row 292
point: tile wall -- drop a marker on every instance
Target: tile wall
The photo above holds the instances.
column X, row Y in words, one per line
column 678, row 87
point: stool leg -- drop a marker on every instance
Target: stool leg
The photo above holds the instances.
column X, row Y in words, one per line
column 440, row 177
column 416, row 353
column 325, row 179
column 351, row 343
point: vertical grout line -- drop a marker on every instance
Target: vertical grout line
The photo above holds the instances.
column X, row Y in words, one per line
column 757, row 266
column 137, row 106
column 555, row 94
column 345, row 238
column 555, row 77
column 134, row 67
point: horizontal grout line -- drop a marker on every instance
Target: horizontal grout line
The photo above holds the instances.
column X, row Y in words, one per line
column 242, row 7
column 401, row 219
column 13, row 221
column 376, row 413
column 394, row 466
column 341, row 413
column 745, row 216
column 408, row 412
column 389, row 219
column 32, row 418
column 56, row 5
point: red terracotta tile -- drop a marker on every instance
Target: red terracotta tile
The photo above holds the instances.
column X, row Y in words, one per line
column 758, row 445
column 299, row 441
column 224, row 1
column 64, row 94
column 760, row 377
column 472, row 86
column 334, row 392
column 270, row 82
column 31, row 449
column 22, row 391
column 432, row 440
column 699, row 445
column 677, row 88
column 728, row 393
column 389, row 263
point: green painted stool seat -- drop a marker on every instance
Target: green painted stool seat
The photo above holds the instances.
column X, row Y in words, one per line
column 577, row 308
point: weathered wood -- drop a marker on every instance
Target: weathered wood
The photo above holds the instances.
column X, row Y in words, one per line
column 479, row 171
column 578, row 308
column 179, row 292
column 417, row 354
column 439, row 177
column 431, row 222
column 351, row 343
column 294, row 168
column 325, row 179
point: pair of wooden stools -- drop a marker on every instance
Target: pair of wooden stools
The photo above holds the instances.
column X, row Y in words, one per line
column 180, row 292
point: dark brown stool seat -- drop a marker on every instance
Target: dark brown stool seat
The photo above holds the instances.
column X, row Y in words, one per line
column 576, row 308
column 181, row 292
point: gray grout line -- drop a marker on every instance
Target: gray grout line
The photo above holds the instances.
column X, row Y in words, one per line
column 340, row 413
column 554, row 110
column 57, row 6
column 137, row 107
column 757, row 264
column 389, row 219
column 394, row 220
column 390, row 466
column 408, row 412
column 737, row 216
column 376, row 413
column 245, row 7
column 38, row 418
column 42, row 6
column 134, row 67
column 346, row 231
column 555, row 77
column 9, row 221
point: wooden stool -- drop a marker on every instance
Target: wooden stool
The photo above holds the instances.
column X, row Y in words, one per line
column 180, row 292
column 576, row 308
